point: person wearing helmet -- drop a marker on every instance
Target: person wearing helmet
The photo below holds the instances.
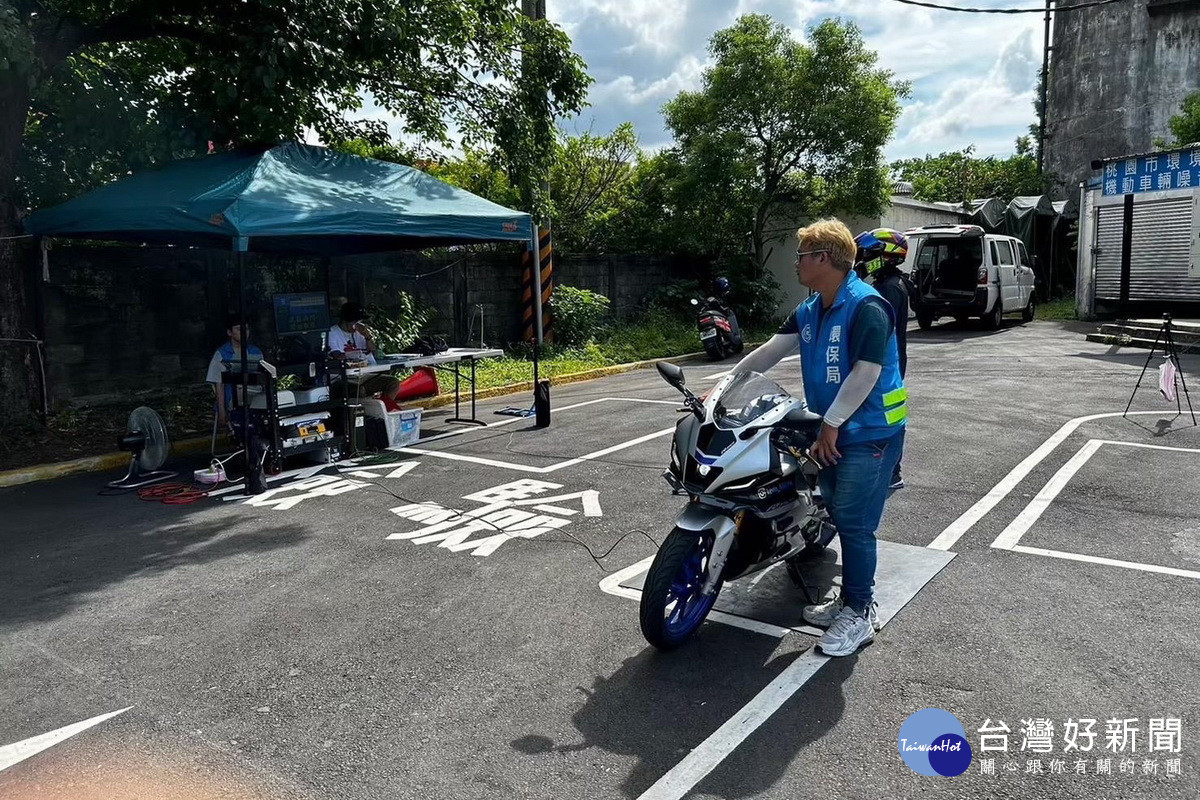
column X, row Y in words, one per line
column 880, row 254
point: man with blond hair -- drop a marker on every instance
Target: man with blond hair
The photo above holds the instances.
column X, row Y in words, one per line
column 849, row 363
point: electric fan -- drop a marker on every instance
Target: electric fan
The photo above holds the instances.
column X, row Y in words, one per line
column 146, row 439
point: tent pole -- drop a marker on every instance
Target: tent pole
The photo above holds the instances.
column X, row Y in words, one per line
column 253, row 481
column 240, row 255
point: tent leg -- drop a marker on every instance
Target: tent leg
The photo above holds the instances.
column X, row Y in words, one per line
column 255, row 481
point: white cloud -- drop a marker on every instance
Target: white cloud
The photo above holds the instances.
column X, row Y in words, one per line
column 972, row 75
column 987, row 111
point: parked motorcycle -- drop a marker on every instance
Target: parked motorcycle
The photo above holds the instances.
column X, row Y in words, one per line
column 719, row 330
column 740, row 457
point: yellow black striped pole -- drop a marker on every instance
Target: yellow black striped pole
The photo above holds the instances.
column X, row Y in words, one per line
column 546, row 264
column 530, row 302
column 527, row 311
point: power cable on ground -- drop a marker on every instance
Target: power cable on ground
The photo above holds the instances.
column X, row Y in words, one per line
column 571, row 539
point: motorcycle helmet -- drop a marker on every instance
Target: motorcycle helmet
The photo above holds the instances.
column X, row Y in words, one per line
column 721, row 285
column 879, row 248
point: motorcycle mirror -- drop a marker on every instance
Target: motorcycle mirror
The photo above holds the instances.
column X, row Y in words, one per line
column 695, row 302
column 671, row 374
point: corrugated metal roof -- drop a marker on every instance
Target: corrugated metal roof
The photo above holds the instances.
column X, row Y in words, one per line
column 1147, row 153
column 901, row 200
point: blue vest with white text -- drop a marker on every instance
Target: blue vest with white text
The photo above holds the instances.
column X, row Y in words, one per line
column 825, row 363
column 232, row 359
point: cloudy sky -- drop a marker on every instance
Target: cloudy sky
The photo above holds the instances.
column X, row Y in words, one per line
column 973, row 75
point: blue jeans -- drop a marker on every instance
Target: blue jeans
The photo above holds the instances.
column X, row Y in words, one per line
column 855, row 490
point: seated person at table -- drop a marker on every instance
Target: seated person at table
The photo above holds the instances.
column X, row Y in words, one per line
column 350, row 339
column 228, row 358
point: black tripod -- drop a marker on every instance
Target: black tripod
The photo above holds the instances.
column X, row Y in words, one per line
column 1172, row 352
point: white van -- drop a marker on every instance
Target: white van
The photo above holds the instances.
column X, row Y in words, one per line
column 959, row 271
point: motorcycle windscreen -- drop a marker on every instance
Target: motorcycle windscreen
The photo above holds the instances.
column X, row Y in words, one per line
column 747, row 397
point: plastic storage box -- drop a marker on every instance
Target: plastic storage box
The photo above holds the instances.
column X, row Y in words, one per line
column 403, row 427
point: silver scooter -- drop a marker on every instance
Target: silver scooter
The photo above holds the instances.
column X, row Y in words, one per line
column 740, row 457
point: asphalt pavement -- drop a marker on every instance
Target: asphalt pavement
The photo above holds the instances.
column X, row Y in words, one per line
column 367, row 633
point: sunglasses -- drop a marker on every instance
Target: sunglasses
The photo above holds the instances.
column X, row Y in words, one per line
column 802, row 253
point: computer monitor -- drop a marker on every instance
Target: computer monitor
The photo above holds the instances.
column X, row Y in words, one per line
column 301, row 312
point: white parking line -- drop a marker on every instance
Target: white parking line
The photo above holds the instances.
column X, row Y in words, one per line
column 955, row 530
column 1110, row 562
column 16, row 753
column 1010, row 537
column 684, row 776
column 612, row 585
column 491, row 462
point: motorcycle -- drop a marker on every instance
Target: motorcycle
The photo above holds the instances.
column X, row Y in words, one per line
column 740, row 457
column 719, row 331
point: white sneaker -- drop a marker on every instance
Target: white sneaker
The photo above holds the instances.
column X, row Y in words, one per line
column 848, row 632
column 824, row 614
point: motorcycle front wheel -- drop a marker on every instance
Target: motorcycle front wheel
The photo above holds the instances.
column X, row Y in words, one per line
column 673, row 606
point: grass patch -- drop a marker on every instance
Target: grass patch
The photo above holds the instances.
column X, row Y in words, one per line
column 657, row 336
column 1062, row 308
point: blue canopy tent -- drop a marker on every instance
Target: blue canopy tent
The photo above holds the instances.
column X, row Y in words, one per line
column 292, row 198
column 289, row 198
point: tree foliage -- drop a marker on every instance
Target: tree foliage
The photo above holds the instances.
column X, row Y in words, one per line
column 90, row 89
column 777, row 121
column 180, row 75
column 590, row 183
column 960, row 176
column 1185, row 126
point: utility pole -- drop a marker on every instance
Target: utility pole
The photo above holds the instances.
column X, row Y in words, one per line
column 1041, row 148
column 542, row 256
column 541, row 267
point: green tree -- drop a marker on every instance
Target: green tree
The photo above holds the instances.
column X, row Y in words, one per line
column 91, row 88
column 780, row 121
column 479, row 172
column 589, row 185
column 960, row 176
column 1185, row 126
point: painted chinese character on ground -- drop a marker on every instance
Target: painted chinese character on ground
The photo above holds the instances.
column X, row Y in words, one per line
column 520, row 509
column 282, row 498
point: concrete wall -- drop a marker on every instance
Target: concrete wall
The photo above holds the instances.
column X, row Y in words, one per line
column 1118, row 74
column 120, row 320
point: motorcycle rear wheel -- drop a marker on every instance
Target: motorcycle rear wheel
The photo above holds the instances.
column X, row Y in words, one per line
column 715, row 348
column 672, row 606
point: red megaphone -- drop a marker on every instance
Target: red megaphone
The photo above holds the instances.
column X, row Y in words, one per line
column 422, row 383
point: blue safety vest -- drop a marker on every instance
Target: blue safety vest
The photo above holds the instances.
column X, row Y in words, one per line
column 232, row 359
column 825, row 363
